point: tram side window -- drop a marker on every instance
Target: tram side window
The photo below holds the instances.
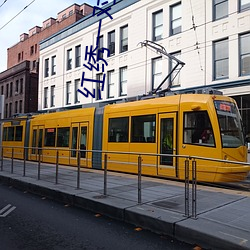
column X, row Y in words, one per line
column 62, row 137
column 13, row 133
column 5, row 135
column 50, row 136
column 118, row 129
column 18, row 133
column 143, row 129
column 198, row 129
column 10, row 134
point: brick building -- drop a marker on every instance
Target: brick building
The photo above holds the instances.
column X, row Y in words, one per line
column 19, row 86
column 23, row 61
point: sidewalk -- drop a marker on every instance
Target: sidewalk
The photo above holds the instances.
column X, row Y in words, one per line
column 223, row 218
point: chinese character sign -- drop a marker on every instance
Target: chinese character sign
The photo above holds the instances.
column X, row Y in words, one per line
column 94, row 56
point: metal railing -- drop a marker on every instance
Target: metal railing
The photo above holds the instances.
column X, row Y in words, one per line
column 188, row 180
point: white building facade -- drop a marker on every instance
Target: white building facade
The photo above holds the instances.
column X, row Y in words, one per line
column 211, row 37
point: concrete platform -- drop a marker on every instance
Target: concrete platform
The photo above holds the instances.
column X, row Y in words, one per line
column 223, row 217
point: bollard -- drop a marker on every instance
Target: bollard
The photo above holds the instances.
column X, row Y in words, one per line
column 12, row 160
column 24, row 161
column 194, row 189
column 57, row 158
column 105, row 173
column 187, row 187
column 2, row 159
column 139, row 179
column 39, row 164
column 78, row 170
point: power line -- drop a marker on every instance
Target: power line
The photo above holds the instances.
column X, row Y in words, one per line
column 17, row 13
column 196, row 36
column 3, row 3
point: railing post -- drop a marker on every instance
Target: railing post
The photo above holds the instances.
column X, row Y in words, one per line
column 194, row 189
column 139, row 179
column 12, row 160
column 105, row 173
column 39, row 163
column 2, row 159
column 57, row 158
column 187, row 187
column 24, row 161
column 78, row 169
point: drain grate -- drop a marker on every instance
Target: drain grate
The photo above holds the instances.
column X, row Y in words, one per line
column 168, row 204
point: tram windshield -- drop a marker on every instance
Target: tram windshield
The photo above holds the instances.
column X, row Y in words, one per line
column 230, row 124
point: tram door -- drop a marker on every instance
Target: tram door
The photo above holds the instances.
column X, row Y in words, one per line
column 79, row 141
column 167, row 144
column 37, row 142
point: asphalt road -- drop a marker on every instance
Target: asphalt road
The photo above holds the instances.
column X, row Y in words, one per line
column 36, row 223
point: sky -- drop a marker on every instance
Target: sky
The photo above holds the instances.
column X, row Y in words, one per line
column 34, row 14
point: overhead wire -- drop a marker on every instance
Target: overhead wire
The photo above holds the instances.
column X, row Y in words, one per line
column 196, row 36
column 17, row 14
column 3, row 3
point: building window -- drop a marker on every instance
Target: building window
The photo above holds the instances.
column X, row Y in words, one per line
column 20, row 106
column 245, row 54
column 35, row 48
column 19, row 57
column 124, row 38
column 10, row 109
column 100, row 46
column 123, row 81
column 71, row 13
column 53, row 65
column 34, row 64
column 16, row 107
column 64, row 16
column 77, row 94
column 52, row 96
column 111, row 42
column 21, row 85
column 175, row 20
column 2, row 90
column 11, row 88
column 7, row 90
column 111, row 84
column 6, row 110
column 78, row 56
column 68, row 92
column 45, row 104
column 31, row 50
column 175, row 76
column 220, row 52
column 99, row 78
column 156, row 72
column 244, row 5
column 220, row 9
column 46, row 68
column 157, row 25
column 69, row 59
column 17, row 87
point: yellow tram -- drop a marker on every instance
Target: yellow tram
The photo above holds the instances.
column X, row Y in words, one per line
column 200, row 125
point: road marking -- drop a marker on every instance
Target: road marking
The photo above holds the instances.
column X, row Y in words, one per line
column 7, row 210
